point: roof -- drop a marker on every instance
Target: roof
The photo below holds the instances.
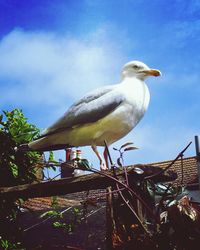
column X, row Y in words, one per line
column 84, row 226
column 45, row 203
column 92, row 197
column 189, row 176
column 94, row 231
column 189, row 169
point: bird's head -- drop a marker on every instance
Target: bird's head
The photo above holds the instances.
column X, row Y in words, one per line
column 139, row 70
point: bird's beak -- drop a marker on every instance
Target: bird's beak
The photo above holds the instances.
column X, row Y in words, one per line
column 152, row 72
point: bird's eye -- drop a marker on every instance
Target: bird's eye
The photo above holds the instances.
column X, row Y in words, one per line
column 135, row 67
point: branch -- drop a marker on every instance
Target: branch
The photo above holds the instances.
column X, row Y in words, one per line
column 75, row 184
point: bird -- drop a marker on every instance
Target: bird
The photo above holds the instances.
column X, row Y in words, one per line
column 105, row 114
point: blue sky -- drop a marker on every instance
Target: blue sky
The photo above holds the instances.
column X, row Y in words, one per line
column 53, row 52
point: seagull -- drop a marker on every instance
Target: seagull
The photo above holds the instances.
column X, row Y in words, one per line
column 105, row 114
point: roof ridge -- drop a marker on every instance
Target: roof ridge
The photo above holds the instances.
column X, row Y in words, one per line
column 167, row 161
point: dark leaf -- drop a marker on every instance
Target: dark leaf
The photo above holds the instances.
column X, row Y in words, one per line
column 83, row 164
column 138, row 170
column 126, row 144
column 53, row 168
column 119, row 162
column 130, row 148
column 116, row 149
column 149, row 187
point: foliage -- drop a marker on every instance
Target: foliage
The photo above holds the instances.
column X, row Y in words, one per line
column 83, row 164
column 70, row 226
column 125, row 147
column 67, row 226
column 54, row 202
column 16, row 167
column 7, row 245
column 148, row 215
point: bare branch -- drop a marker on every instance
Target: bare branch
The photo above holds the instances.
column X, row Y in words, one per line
column 74, row 184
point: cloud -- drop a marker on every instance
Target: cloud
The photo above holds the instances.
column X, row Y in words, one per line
column 45, row 68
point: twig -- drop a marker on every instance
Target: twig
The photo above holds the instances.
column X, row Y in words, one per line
column 165, row 169
column 48, row 218
column 182, row 169
column 126, row 187
column 162, row 199
column 122, row 196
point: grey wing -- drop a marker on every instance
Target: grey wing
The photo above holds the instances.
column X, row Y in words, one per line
column 90, row 108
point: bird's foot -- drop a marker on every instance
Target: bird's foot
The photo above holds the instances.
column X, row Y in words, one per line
column 103, row 166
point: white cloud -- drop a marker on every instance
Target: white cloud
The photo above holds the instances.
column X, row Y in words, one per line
column 43, row 68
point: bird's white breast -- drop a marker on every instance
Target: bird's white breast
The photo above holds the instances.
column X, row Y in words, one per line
column 130, row 112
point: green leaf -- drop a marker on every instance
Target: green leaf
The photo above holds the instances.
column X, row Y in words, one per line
column 14, row 169
column 83, row 164
column 51, row 157
column 76, row 210
column 58, row 224
column 54, row 201
column 51, row 213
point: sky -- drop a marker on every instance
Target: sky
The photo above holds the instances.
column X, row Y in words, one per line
column 54, row 52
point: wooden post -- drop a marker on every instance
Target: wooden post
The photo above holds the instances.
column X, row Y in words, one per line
column 112, row 234
column 110, row 221
column 197, row 156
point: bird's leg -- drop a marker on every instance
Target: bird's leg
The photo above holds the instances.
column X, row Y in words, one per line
column 105, row 154
column 102, row 161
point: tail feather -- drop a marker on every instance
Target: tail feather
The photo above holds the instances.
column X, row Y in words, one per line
column 25, row 147
column 51, row 147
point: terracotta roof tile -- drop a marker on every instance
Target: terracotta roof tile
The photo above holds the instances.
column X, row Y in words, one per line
column 189, row 169
column 189, row 176
column 46, row 203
